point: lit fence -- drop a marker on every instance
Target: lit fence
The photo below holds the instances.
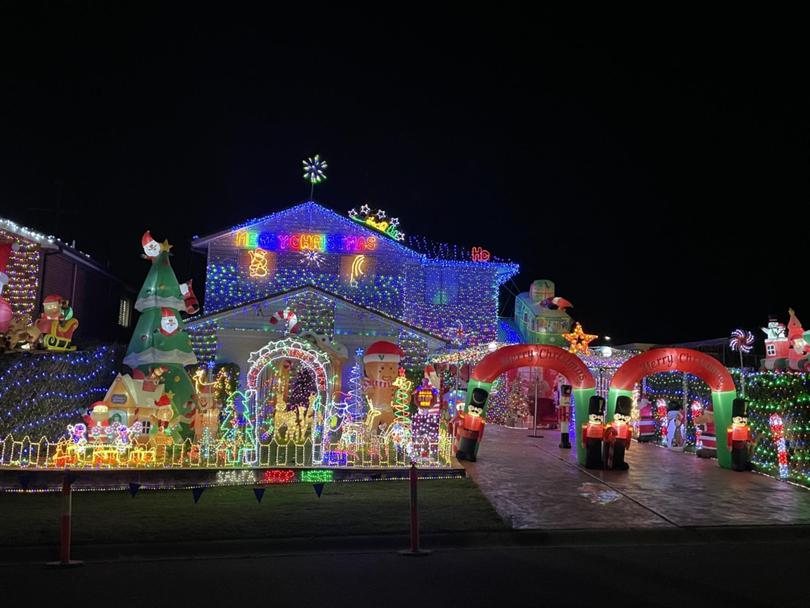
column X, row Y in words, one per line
column 45, row 454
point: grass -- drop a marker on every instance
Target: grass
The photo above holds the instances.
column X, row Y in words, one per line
column 344, row 509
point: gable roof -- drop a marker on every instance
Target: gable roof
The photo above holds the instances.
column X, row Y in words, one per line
column 504, row 270
column 191, row 322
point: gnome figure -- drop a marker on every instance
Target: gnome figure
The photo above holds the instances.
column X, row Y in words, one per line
column 618, row 435
column 738, row 436
column 381, row 365
column 593, row 432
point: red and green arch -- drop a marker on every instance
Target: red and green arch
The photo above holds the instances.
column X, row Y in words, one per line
column 707, row 368
column 536, row 355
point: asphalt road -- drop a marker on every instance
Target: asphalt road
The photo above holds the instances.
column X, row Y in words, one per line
column 750, row 574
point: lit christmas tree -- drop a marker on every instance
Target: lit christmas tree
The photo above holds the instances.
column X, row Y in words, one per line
column 301, row 387
column 402, row 397
column 355, row 397
column 236, row 430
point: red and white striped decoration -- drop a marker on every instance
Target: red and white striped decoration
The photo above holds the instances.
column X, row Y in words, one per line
column 289, row 317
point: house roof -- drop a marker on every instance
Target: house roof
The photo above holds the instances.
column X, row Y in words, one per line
column 191, row 322
column 505, row 270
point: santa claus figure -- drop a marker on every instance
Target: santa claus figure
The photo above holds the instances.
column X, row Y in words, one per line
column 799, row 349
column 738, row 436
column 617, row 435
column 56, row 323
column 151, row 248
column 593, row 432
column 168, row 322
column 381, row 366
column 189, row 299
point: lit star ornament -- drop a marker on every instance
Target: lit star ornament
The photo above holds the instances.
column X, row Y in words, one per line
column 578, row 340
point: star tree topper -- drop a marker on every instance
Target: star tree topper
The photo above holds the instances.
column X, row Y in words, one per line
column 578, row 340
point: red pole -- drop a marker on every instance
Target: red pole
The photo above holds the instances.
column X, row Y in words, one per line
column 64, row 533
column 415, row 550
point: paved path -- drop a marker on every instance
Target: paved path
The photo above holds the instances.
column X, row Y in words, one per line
column 534, row 484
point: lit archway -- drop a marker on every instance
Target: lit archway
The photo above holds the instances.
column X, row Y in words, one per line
column 707, row 368
column 531, row 355
column 316, row 361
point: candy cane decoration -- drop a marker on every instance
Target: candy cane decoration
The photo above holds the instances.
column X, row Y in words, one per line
column 778, row 434
column 289, row 317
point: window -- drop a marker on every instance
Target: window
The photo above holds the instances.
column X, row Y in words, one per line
column 770, row 349
column 441, row 286
column 124, row 312
column 146, row 426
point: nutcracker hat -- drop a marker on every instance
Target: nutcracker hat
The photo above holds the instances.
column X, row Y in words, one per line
column 739, row 408
column 383, row 352
column 795, row 330
column 624, row 405
column 596, row 406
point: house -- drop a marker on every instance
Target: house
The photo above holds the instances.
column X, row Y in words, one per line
column 39, row 265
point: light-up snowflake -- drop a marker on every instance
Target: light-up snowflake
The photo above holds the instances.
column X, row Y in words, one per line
column 313, row 259
column 314, row 169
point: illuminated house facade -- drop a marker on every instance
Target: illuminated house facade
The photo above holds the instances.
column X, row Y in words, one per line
column 345, row 280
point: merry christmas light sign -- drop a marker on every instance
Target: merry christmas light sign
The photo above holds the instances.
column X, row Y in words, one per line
column 304, row 241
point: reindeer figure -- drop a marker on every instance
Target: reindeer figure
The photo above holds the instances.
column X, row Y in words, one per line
column 285, row 419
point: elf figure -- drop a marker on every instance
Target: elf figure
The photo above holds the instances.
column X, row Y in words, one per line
column 738, row 436
column 593, row 432
column 617, row 435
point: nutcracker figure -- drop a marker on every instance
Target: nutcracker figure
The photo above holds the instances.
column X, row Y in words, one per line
column 593, row 432
column 617, row 435
column 738, row 436
column 472, row 427
column 564, row 415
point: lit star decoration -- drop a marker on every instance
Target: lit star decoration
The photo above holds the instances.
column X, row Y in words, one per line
column 377, row 221
column 578, row 340
column 314, row 170
column 741, row 341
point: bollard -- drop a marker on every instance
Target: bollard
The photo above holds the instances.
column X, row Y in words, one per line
column 64, row 533
column 414, row 551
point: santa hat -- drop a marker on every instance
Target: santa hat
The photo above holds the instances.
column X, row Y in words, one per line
column 795, row 330
column 383, row 352
column 167, row 313
column 147, row 238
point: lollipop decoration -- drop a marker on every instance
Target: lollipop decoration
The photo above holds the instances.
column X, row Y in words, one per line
column 314, row 171
column 743, row 342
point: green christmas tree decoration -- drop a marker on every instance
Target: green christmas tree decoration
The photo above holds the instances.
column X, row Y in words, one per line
column 160, row 339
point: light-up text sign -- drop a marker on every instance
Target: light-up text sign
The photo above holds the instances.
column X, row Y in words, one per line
column 305, row 241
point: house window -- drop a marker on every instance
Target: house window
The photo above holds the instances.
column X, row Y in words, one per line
column 441, row 286
column 146, row 426
column 124, row 312
column 770, row 350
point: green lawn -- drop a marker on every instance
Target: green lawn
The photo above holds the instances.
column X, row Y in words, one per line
column 233, row 513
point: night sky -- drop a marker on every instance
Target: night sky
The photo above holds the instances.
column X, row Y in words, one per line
column 655, row 166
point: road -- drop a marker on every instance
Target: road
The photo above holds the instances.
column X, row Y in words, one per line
column 749, row 574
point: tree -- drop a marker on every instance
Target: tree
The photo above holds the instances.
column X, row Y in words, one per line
column 301, row 387
column 237, row 430
column 160, row 338
column 355, row 398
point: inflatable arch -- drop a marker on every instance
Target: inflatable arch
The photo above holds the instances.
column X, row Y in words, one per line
column 707, row 368
column 531, row 355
